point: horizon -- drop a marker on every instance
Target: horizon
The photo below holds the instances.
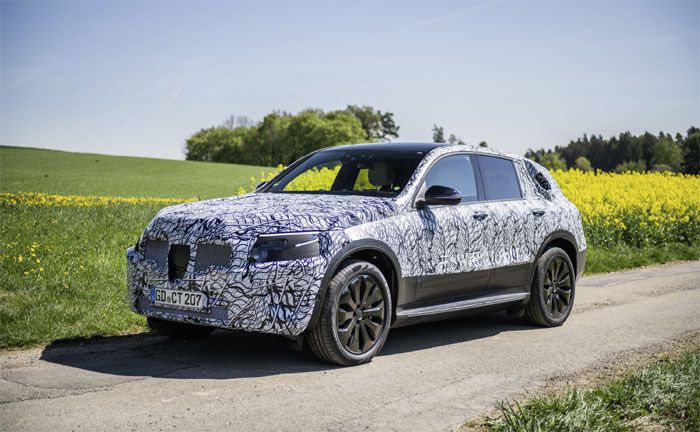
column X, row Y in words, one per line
column 137, row 79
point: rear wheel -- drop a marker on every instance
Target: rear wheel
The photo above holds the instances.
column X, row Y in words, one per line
column 178, row 330
column 553, row 289
column 355, row 316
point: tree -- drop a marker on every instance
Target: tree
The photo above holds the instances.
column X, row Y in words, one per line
column 233, row 122
column 668, row 153
column 583, row 164
column 552, row 161
column 438, row 134
column 454, row 140
column 280, row 138
column 217, row 145
column 376, row 124
column 691, row 151
column 633, row 166
column 483, row 144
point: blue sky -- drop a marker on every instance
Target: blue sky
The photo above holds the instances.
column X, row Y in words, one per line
column 139, row 78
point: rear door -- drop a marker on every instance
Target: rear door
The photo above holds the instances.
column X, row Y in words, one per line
column 508, row 223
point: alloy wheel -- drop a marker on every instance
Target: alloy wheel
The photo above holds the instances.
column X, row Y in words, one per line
column 360, row 314
column 557, row 287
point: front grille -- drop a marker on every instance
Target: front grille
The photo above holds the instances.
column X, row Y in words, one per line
column 178, row 257
column 157, row 250
column 209, row 255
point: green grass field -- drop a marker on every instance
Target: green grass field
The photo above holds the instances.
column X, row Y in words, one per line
column 62, row 268
column 64, row 173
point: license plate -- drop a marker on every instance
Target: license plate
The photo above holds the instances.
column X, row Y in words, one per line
column 179, row 298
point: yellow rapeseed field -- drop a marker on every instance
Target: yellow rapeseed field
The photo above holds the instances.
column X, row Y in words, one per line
column 635, row 208
column 43, row 199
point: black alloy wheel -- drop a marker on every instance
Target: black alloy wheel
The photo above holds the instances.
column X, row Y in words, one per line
column 553, row 289
column 360, row 315
column 558, row 287
column 355, row 315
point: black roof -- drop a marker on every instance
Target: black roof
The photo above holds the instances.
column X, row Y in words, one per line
column 389, row 146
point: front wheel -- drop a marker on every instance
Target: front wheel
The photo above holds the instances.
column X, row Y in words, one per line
column 553, row 289
column 355, row 316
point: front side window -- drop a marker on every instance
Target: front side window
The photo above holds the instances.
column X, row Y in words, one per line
column 350, row 172
column 499, row 178
column 456, row 172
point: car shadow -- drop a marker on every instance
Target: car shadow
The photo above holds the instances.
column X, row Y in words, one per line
column 230, row 355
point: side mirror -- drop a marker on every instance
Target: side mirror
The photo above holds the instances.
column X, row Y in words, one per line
column 439, row 195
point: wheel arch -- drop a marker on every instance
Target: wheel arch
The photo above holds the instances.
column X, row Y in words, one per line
column 373, row 251
column 563, row 240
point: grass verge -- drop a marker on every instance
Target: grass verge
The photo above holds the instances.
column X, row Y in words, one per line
column 604, row 260
column 63, row 271
column 665, row 396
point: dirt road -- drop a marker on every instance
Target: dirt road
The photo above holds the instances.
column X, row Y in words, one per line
column 428, row 377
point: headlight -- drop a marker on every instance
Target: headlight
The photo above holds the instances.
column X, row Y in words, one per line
column 283, row 247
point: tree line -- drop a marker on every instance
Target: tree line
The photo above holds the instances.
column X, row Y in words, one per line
column 282, row 137
column 626, row 152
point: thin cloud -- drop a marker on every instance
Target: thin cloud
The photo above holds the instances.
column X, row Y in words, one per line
column 417, row 25
column 176, row 94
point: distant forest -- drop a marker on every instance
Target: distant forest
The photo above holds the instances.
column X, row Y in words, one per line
column 282, row 137
column 626, row 152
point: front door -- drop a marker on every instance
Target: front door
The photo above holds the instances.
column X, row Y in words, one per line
column 453, row 239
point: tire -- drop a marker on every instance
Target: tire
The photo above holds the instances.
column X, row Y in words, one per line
column 178, row 330
column 553, row 289
column 351, row 341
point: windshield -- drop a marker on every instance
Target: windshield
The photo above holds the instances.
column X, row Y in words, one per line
column 350, row 172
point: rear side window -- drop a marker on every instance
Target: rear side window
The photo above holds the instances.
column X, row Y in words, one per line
column 499, row 178
column 455, row 172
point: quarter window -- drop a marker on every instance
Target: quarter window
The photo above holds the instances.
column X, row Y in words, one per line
column 456, row 172
column 499, row 178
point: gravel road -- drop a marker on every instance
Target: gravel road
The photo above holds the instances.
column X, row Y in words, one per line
column 428, row 377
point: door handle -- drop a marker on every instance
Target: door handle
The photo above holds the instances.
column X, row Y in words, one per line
column 480, row 216
column 538, row 213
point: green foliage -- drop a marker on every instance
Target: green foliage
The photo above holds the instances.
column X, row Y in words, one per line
column 691, row 151
column 439, row 137
column 438, row 134
column 583, row 164
column 662, row 397
column 667, row 153
column 281, row 138
column 552, row 161
column 643, row 151
column 57, row 172
column 631, row 166
column 376, row 124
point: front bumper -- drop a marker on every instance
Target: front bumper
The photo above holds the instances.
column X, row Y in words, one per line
column 276, row 297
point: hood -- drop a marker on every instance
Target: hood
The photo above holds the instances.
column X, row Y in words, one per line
column 265, row 213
